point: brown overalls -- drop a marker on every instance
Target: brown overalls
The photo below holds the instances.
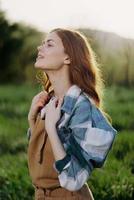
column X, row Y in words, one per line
column 44, row 177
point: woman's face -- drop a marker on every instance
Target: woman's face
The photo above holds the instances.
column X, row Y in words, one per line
column 51, row 55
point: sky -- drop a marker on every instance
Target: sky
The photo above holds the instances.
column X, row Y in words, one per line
column 108, row 15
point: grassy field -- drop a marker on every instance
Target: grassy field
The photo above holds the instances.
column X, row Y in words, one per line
column 115, row 181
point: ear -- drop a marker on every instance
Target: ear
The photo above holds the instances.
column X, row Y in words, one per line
column 67, row 60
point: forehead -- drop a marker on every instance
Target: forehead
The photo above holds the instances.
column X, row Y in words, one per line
column 53, row 37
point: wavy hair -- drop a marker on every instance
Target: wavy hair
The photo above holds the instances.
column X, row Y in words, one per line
column 84, row 69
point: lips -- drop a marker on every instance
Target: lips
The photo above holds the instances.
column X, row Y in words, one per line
column 40, row 56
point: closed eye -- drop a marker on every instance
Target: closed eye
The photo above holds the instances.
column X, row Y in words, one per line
column 49, row 45
column 46, row 44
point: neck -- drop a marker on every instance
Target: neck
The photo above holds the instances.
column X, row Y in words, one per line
column 60, row 83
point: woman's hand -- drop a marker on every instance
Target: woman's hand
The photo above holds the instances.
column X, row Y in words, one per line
column 53, row 113
column 37, row 103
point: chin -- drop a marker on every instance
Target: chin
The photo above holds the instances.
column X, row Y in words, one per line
column 38, row 65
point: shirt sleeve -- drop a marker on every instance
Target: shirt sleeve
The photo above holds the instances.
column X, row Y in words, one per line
column 90, row 137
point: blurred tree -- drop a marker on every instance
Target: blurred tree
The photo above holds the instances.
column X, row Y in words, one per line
column 127, row 55
column 18, row 44
column 18, row 49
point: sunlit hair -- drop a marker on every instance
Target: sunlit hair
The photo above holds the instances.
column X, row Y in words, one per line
column 84, row 70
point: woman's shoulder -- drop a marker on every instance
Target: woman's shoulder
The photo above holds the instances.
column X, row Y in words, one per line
column 86, row 109
column 84, row 102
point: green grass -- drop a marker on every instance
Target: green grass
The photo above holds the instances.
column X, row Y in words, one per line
column 115, row 180
column 119, row 102
column 112, row 182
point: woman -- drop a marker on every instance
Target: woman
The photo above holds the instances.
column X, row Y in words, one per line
column 69, row 134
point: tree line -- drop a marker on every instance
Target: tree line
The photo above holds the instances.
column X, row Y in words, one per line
column 18, row 51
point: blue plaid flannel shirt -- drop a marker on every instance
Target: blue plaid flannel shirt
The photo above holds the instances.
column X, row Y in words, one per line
column 87, row 138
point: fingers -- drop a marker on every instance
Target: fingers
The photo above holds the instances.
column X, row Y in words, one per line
column 38, row 102
column 57, row 102
column 60, row 102
column 42, row 94
column 42, row 97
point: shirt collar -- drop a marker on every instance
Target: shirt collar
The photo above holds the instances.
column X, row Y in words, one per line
column 70, row 98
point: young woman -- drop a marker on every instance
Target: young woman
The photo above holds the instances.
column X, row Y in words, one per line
column 69, row 133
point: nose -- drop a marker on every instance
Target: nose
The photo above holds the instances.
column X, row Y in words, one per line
column 39, row 47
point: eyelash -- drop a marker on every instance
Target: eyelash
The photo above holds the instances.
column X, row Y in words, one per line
column 49, row 45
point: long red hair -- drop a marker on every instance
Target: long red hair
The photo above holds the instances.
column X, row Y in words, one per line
column 84, row 70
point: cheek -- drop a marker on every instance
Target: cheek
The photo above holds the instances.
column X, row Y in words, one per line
column 54, row 52
column 55, row 56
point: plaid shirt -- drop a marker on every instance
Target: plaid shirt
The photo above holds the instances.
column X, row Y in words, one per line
column 87, row 138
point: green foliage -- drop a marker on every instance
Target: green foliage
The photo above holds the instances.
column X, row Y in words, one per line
column 119, row 103
column 14, row 179
column 115, row 55
column 18, row 49
column 115, row 180
column 15, row 182
column 112, row 182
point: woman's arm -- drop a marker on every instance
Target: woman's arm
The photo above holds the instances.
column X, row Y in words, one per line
column 57, row 147
column 88, row 147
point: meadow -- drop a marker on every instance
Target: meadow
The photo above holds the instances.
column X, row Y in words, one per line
column 115, row 181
